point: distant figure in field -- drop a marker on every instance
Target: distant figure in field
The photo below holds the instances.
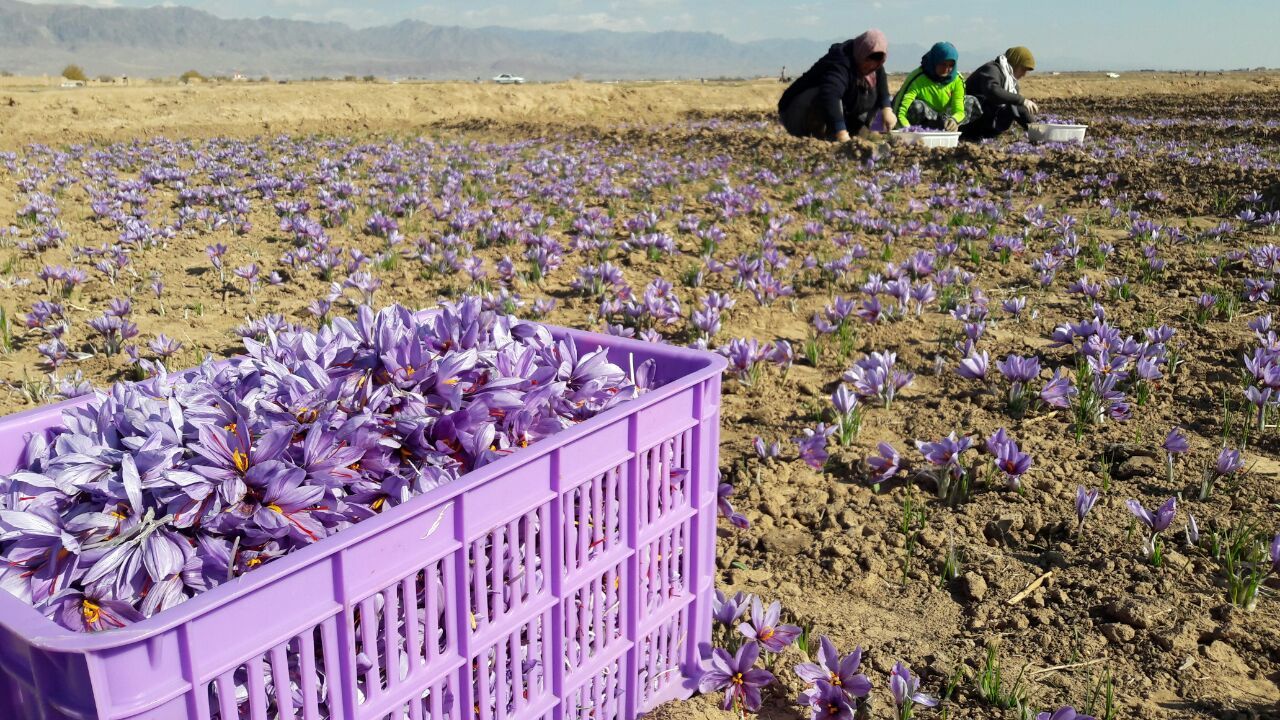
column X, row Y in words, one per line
column 843, row 93
column 995, row 85
column 933, row 95
column 782, row 76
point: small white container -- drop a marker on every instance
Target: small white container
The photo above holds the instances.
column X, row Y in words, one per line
column 930, row 139
column 1048, row 132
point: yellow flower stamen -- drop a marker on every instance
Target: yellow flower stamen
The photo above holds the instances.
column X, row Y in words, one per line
column 275, row 508
column 240, row 460
column 231, row 427
column 737, row 679
column 91, row 611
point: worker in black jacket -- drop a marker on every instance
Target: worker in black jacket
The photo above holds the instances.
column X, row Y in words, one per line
column 995, row 85
column 841, row 93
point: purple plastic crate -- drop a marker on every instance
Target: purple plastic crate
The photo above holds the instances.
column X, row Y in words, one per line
column 572, row 579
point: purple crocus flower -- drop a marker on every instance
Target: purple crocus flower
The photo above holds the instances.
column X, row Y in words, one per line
column 828, row 702
column 164, row 346
column 1275, row 554
column 1063, row 713
column 905, row 688
column 844, row 401
column 1019, row 369
column 736, row 518
column 727, row 610
column 1014, row 306
column 737, row 676
column 1175, row 443
column 975, row 366
column 1012, row 462
column 766, row 451
column 813, row 445
column 946, row 451
column 1059, row 391
column 836, row 671
column 765, row 628
column 884, row 465
column 1158, row 522
column 1229, row 462
column 1085, row 500
column 87, row 613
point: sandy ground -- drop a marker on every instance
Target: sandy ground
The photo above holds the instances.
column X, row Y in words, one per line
column 32, row 112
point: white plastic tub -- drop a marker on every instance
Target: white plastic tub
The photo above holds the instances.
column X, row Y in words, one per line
column 1048, row 132
column 931, row 139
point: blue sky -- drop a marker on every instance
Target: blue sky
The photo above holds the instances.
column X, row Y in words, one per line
column 1103, row 33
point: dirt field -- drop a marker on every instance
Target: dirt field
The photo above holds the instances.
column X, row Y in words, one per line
column 31, row 111
column 1165, row 203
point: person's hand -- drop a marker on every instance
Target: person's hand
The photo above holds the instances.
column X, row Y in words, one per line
column 1031, row 106
column 951, row 125
column 842, row 136
column 890, row 119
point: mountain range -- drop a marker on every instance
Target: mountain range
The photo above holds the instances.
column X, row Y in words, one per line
column 165, row 41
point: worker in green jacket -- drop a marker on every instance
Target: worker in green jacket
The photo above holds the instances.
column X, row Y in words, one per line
column 933, row 94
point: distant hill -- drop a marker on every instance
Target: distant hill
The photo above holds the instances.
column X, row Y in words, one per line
column 165, row 41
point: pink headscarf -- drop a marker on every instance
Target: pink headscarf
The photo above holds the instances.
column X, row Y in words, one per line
column 867, row 44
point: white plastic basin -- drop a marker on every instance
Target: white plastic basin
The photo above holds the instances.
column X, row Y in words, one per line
column 1048, row 132
column 932, row 138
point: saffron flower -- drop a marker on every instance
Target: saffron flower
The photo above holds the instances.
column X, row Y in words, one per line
column 737, row 676
column 727, row 610
column 1175, row 443
column 1009, row 460
column 766, row 451
column 1160, row 520
column 1058, row 392
column 1063, row 713
column 765, row 627
column 876, row 376
column 1157, row 523
column 1229, row 462
column 736, row 518
column 848, row 414
column 974, row 367
column 835, row 670
column 905, row 688
column 1085, row 500
column 828, row 702
column 813, row 445
column 884, row 465
column 945, row 452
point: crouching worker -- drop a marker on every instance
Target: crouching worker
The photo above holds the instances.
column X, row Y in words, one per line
column 933, row 95
column 844, row 92
column 995, row 85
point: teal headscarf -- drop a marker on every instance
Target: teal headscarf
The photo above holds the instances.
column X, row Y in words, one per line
column 938, row 54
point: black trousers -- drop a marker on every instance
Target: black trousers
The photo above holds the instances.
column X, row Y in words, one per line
column 994, row 123
column 804, row 116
